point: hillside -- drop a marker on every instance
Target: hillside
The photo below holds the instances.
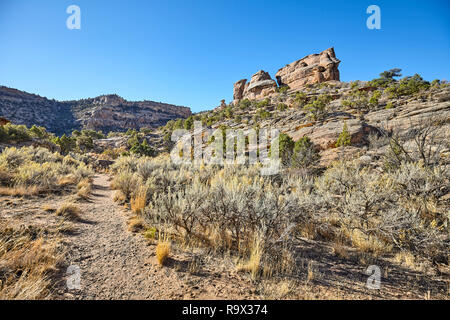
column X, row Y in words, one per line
column 104, row 113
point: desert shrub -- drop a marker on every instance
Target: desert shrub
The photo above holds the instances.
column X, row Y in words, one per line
column 305, row 153
column 127, row 182
column 397, row 209
column 425, row 142
column 357, row 100
column 263, row 114
column 38, row 167
column 12, row 132
column 317, row 108
column 300, row 99
column 389, row 105
column 283, row 89
column 344, row 138
column 125, row 163
column 386, row 78
column 142, row 149
column 286, row 147
column 281, row 107
column 33, row 173
column 66, row 143
column 407, row 86
column 263, row 103
column 244, row 104
column 163, row 252
column 12, row 158
column 374, row 99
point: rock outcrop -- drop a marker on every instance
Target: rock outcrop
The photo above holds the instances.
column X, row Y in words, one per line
column 260, row 85
column 315, row 68
column 106, row 113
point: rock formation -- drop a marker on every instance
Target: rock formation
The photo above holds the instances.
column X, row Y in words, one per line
column 315, row 68
column 106, row 113
column 260, row 85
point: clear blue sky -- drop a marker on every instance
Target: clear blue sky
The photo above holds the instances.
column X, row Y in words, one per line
column 191, row 52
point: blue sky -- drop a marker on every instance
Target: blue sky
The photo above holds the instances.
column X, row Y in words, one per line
column 191, row 52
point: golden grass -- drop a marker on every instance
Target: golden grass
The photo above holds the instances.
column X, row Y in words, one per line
column 368, row 244
column 136, row 224
column 69, row 211
column 163, row 249
column 139, row 201
column 66, row 180
column 406, row 258
column 84, row 189
column 253, row 265
column 339, row 250
column 48, row 208
column 27, row 263
column 119, row 197
column 20, row 191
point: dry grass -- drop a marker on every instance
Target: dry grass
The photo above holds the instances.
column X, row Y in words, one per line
column 84, row 189
column 163, row 251
column 274, row 290
column 339, row 250
column 253, row 265
column 136, row 224
column 48, row 208
column 69, row 211
column 119, row 197
column 20, row 191
column 139, row 201
column 406, row 258
column 66, row 180
column 27, row 260
column 368, row 244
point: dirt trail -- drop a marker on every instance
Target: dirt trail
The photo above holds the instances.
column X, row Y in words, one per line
column 117, row 264
column 114, row 263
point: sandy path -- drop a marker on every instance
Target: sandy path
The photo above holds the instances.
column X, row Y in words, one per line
column 114, row 263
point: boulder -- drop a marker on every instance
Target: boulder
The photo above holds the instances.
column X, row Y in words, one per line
column 315, row 68
column 260, row 86
column 238, row 91
column 325, row 135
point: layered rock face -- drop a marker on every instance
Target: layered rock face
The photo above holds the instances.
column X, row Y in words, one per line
column 106, row 113
column 260, row 85
column 315, row 68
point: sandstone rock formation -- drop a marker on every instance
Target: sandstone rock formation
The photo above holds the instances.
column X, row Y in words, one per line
column 106, row 113
column 315, row 68
column 260, row 85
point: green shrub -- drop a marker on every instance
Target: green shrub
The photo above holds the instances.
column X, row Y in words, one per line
column 281, row 107
column 305, row 154
column 244, row 104
column 344, row 138
column 317, row 108
column 300, row 99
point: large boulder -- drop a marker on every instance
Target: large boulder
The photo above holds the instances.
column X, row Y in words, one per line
column 238, row 90
column 315, row 68
column 260, row 86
